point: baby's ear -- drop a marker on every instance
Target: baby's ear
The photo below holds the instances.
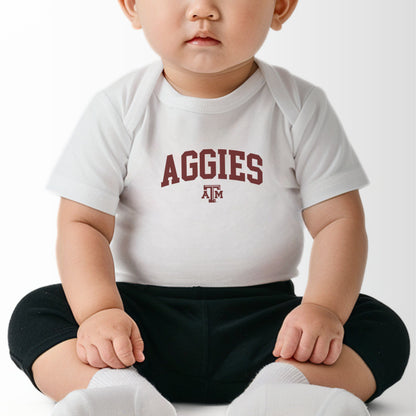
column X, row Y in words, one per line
column 283, row 10
column 130, row 10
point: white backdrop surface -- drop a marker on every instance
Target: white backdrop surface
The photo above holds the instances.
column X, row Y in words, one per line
column 55, row 56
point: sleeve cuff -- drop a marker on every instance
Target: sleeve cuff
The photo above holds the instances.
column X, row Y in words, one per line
column 327, row 188
column 83, row 194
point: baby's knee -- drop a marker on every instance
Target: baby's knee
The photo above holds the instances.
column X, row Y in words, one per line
column 378, row 334
column 394, row 331
column 41, row 319
column 34, row 303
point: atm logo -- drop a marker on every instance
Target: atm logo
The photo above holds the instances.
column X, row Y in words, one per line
column 212, row 192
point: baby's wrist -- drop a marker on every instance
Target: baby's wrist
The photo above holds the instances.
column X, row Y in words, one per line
column 100, row 311
column 326, row 308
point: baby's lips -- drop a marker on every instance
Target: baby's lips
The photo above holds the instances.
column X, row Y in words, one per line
column 203, row 34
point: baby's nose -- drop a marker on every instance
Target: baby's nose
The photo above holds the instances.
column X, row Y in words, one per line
column 202, row 10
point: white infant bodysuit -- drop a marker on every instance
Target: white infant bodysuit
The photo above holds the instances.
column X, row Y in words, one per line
column 207, row 191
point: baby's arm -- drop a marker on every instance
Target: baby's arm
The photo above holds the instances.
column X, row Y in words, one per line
column 314, row 330
column 107, row 336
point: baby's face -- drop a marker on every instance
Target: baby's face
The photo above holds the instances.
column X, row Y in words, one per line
column 239, row 26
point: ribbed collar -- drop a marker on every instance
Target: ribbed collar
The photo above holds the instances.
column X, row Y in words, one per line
column 168, row 95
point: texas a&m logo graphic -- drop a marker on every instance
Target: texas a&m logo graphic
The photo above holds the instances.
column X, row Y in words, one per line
column 212, row 192
column 210, row 164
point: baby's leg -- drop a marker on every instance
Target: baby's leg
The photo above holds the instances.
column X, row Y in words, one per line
column 59, row 371
column 315, row 389
column 374, row 357
column 78, row 387
column 42, row 343
column 349, row 372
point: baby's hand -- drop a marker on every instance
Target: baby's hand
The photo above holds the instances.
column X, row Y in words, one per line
column 310, row 332
column 109, row 338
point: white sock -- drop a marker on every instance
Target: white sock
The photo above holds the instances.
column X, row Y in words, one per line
column 115, row 392
column 117, row 377
column 282, row 389
column 296, row 400
column 278, row 373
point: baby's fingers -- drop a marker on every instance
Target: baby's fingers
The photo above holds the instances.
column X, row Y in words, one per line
column 334, row 351
column 137, row 343
column 320, row 351
column 289, row 339
column 124, row 350
column 81, row 352
column 305, row 347
column 94, row 358
column 108, row 355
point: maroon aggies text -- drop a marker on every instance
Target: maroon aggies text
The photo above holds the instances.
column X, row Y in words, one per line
column 210, row 164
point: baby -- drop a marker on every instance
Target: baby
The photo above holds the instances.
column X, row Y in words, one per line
column 184, row 189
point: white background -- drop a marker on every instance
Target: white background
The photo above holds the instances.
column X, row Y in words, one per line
column 56, row 55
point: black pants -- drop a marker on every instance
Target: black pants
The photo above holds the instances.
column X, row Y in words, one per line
column 205, row 344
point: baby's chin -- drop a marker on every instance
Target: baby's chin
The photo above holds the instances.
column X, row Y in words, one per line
column 208, row 64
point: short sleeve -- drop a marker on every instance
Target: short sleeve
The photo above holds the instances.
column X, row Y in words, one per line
column 93, row 164
column 326, row 165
